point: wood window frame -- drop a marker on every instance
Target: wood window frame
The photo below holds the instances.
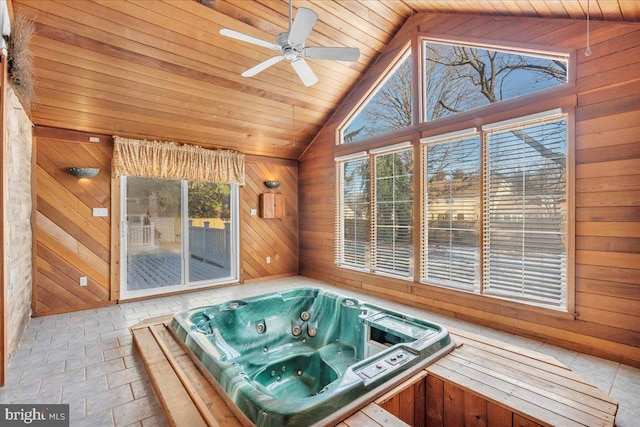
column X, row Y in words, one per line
column 424, row 146
column 120, row 288
column 339, row 211
column 562, row 96
column 392, row 147
column 373, row 155
column 534, row 120
column 405, row 52
column 568, row 109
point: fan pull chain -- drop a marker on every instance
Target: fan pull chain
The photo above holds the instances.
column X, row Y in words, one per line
column 587, row 52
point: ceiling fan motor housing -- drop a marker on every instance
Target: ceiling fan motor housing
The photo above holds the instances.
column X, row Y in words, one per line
column 289, row 51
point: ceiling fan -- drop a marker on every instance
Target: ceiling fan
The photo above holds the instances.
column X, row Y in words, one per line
column 292, row 48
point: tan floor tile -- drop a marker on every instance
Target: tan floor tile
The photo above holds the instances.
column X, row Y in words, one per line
column 110, row 398
column 101, row 419
column 136, row 410
column 125, row 376
column 141, row 388
column 155, row 421
column 104, row 368
column 84, row 388
column 80, row 342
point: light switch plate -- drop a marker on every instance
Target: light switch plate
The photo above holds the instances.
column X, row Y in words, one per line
column 254, row 212
column 100, row 212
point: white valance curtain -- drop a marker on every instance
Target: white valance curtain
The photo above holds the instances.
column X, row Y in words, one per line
column 170, row 160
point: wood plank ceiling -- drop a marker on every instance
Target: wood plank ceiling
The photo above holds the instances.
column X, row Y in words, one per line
column 161, row 70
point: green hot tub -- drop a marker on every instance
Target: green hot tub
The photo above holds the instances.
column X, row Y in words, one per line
column 296, row 357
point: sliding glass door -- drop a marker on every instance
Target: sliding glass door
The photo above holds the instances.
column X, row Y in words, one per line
column 209, row 226
column 177, row 235
column 152, row 234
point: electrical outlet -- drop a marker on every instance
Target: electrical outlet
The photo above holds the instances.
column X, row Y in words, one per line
column 268, row 260
column 254, row 212
column 83, row 281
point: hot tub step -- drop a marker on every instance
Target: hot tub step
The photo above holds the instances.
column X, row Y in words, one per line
column 338, row 356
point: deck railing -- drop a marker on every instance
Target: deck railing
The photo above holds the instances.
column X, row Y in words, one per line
column 141, row 235
column 210, row 244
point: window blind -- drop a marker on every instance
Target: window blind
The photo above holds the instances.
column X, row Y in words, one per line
column 451, row 250
column 525, row 209
column 394, row 213
column 353, row 214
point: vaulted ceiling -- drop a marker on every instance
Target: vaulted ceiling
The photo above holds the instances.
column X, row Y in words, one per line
column 160, row 69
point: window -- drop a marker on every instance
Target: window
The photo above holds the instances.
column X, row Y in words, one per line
column 459, row 77
column 394, row 213
column 387, row 109
column 355, row 213
column 451, row 255
column 494, row 200
column 525, row 212
column 177, row 234
column 376, row 224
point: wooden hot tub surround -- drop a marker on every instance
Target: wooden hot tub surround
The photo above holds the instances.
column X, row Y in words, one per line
column 482, row 382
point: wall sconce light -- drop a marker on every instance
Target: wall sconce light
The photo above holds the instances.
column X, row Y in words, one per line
column 272, row 184
column 83, row 172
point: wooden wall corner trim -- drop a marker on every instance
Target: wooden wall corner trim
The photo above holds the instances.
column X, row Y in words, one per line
column 4, row 356
column 116, row 220
column 34, row 226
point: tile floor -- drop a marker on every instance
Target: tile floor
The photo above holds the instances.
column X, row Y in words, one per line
column 87, row 359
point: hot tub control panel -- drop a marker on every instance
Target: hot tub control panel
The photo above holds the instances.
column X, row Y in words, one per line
column 385, row 364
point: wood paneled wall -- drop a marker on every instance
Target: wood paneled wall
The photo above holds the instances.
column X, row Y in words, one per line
column 606, row 96
column 430, row 401
column 276, row 238
column 70, row 241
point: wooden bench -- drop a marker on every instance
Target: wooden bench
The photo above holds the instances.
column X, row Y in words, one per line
column 482, row 382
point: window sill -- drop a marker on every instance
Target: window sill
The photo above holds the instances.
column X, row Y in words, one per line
column 376, row 273
column 559, row 313
column 468, row 290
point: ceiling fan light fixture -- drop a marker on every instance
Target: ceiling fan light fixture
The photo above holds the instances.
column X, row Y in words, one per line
column 289, row 54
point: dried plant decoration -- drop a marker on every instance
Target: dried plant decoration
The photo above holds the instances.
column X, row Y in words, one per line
column 20, row 59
